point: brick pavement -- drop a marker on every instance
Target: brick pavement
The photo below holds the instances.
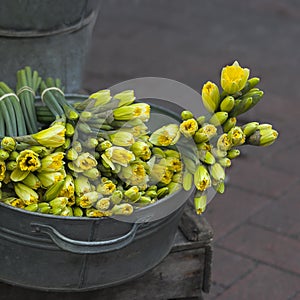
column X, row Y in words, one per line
column 256, row 222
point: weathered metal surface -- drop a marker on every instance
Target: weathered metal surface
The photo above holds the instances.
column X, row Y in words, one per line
column 51, row 36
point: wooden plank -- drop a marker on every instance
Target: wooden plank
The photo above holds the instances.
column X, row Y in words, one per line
column 180, row 275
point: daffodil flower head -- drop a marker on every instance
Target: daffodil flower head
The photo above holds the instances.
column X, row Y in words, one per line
column 189, row 127
column 224, row 143
column 234, row 78
column 85, row 161
column 28, row 160
column 52, row 162
column 236, row 136
column 141, row 150
column 122, row 138
column 202, row 179
column 119, row 155
column 106, row 188
column 129, row 112
column 49, row 178
column 210, row 96
column 8, row 143
column 165, row 136
column 52, row 137
column 134, row 174
column 25, row 193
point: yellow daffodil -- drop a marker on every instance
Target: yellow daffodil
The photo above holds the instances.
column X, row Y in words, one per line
column 236, row 136
column 234, row 78
column 85, row 161
column 165, row 136
column 118, row 155
column 202, row 179
column 224, row 143
column 68, row 189
column 51, row 137
column 8, row 143
column 134, row 174
column 28, row 161
column 189, row 127
column 25, row 193
column 52, row 162
column 49, row 178
column 210, row 96
column 129, row 112
column 106, row 188
column 122, row 138
column 141, row 149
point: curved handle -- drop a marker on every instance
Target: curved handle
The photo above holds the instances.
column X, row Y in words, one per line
column 82, row 247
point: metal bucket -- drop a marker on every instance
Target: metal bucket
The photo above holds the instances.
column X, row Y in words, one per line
column 56, row 253
column 51, row 36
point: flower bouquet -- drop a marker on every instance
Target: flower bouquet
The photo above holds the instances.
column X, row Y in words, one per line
column 97, row 157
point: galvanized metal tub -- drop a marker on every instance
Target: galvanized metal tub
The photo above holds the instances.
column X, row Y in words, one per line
column 51, row 36
column 56, row 253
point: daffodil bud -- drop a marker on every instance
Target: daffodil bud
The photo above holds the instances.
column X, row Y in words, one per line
column 32, row 181
column 250, row 128
column 202, row 179
column 129, row 112
column 92, row 173
column 68, row 189
column 133, row 194
column 223, row 142
column 82, row 185
column 200, row 202
column 174, row 187
column 219, row 187
column 218, row 118
column 87, row 200
column 53, row 191
column 217, row 172
column 67, row 212
column 106, row 188
column 188, row 127
column 13, row 155
column 11, row 165
column 52, row 163
column 162, row 192
column 172, row 153
column 187, row 180
column 41, row 150
column 165, row 136
column 234, row 78
column 117, row 197
column 233, row 153
column 125, row 98
column 141, row 149
column 122, row 138
column 71, row 154
column 263, row 137
column 32, row 207
column 103, row 204
column 210, row 96
column 43, row 208
column 25, row 193
column 230, row 123
column 70, row 130
column 8, row 144
column 173, row 164
column 77, row 211
column 77, row 146
column 177, row 177
column 91, row 143
column 225, row 162
column 236, row 136
column 49, row 178
column 125, row 209
column 227, row 104
column 51, row 137
column 60, row 202
column 186, row 114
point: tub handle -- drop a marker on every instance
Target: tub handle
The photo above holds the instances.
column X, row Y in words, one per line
column 83, row 247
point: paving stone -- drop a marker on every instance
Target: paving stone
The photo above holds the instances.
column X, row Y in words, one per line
column 264, row 283
column 264, row 245
column 283, row 215
column 227, row 211
column 215, row 291
column 253, row 176
column 227, row 267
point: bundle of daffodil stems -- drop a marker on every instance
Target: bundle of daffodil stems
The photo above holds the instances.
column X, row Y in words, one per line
column 97, row 157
